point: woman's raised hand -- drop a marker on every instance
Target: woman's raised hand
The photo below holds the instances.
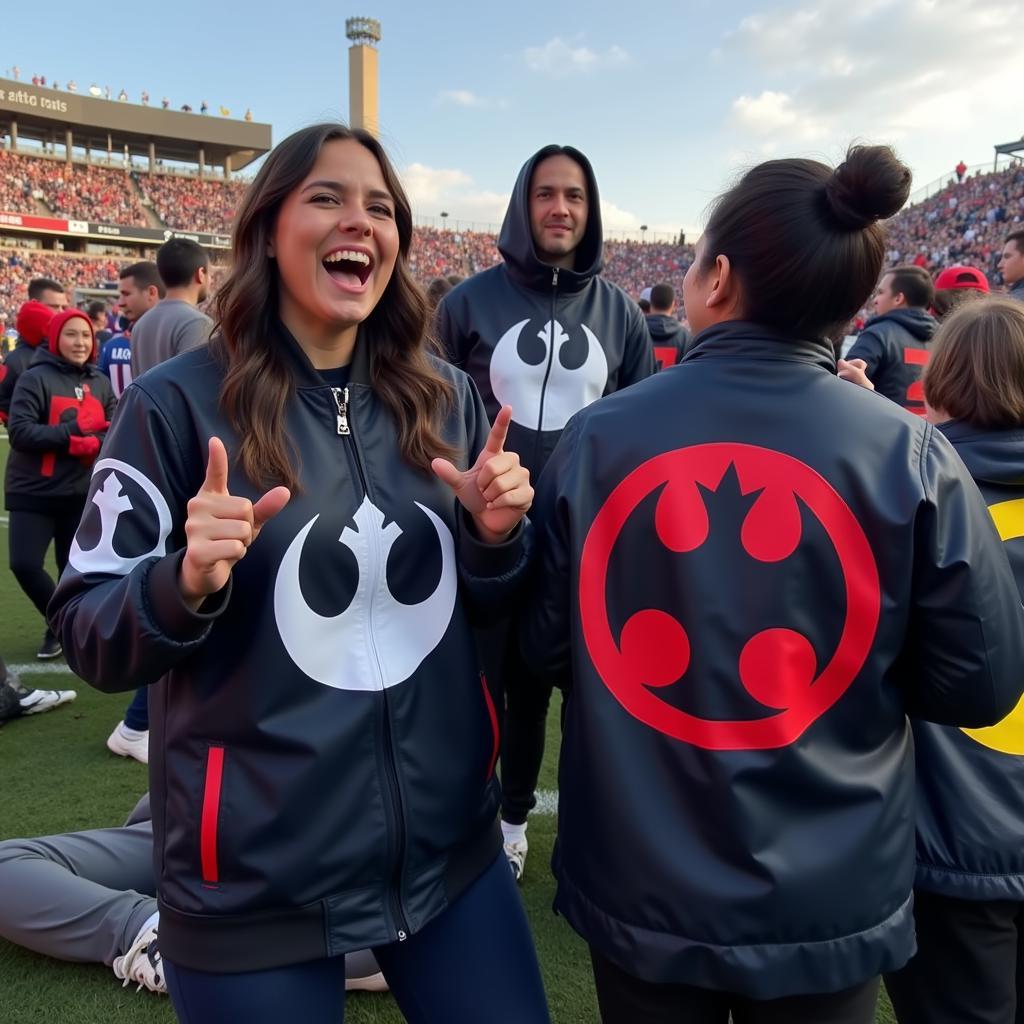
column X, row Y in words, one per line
column 496, row 490
column 220, row 528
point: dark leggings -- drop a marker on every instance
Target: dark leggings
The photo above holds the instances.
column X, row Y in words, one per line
column 625, row 999
column 29, row 536
column 969, row 967
column 474, row 962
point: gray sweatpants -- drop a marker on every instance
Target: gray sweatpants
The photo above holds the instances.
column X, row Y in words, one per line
column 79, row 896
column 86, row 895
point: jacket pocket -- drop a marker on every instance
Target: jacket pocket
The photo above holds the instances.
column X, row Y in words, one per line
column 492, row 714
column 210, row 817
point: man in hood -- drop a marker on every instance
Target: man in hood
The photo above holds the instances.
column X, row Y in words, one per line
column 668, row 336
column 894, row 344
column 543, row 333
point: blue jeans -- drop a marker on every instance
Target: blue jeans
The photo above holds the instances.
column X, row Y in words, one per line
column 474, row 962
column 136, row 715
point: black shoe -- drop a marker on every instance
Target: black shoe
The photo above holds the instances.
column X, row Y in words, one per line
column 50, row 648
column 10, row 704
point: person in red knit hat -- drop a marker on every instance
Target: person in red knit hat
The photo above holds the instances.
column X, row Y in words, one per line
column 59, row 414
column 31, row 322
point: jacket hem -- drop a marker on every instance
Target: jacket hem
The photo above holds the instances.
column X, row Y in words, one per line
column 968, row 885
column 767, row 970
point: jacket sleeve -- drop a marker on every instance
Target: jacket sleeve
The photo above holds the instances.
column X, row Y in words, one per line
column 544, row 627
column 870, row 348
column 492, row 575
column 963, row 663
column 27, row 426
column 7, row 389
column 448, row 334
column 122, row 620
column 638, row 354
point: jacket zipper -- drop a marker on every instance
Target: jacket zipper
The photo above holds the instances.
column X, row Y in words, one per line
column 343, row 425
column 547, row 371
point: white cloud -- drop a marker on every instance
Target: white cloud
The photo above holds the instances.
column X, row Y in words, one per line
column 433, row 189
column 772, row 113
column 462, row 98
column 559, row 59
column 469, row 99
column 917, row 73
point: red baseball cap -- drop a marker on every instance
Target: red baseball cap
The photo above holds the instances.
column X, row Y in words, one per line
column 961, row 277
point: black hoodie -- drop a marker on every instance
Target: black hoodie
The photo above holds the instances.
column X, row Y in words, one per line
column 497, row 327
column 970, row 782
column 669, row 339
column 895, row 347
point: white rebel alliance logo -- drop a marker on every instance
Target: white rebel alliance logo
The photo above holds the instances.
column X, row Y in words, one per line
column 112, row 502
column 567, row 391
column 377, row 641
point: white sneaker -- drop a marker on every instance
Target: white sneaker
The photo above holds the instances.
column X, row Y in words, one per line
column 142, row 964
column 35, row 701
column 515, row 852
column 118, row 743
column 371, row 983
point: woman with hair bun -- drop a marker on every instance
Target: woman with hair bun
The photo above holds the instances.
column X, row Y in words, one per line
column 736, row 784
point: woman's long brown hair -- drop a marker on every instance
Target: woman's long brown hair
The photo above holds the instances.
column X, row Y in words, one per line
column 258, row 381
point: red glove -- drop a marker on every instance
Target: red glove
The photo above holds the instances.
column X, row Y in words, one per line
column 85, row 449
column 91, row 419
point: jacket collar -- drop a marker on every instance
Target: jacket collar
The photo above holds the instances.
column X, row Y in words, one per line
column 745, row 339
column 305, row 374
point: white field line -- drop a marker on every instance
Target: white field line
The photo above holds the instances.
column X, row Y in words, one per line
column 41, row 668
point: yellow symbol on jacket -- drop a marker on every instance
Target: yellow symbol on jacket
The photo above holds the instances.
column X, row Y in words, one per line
column 1006, row 736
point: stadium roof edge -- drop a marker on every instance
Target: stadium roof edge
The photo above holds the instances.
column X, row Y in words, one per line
column 47, row 115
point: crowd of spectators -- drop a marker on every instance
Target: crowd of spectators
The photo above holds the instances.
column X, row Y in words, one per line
column 965, row 222
column 19, row 266
column 638, row 265
column 191, row 204
column 79, row 192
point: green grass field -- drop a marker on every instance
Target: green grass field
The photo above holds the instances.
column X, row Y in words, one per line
column 58, row 776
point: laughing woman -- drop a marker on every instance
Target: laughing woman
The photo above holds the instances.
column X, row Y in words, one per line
column 274, row 543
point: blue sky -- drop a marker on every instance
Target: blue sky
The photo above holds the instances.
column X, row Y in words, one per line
column 669, row 100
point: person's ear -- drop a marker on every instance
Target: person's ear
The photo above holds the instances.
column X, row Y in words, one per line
column 723, row 284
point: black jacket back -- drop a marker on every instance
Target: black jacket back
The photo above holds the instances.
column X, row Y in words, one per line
column 751, row 605
column 669, row 339
column 895, row 348
column 546, row 341
column 970, row 782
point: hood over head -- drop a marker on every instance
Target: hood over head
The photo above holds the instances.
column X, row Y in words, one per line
column 515, row 241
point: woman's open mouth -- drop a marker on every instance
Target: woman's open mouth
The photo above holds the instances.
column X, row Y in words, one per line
column 349, row 267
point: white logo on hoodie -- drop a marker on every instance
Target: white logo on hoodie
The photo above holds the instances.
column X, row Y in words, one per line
column 521, row 385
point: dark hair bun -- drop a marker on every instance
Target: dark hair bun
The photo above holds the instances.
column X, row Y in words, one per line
column 871, row 184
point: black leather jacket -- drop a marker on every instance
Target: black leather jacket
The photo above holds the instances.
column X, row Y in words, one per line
column 752, row 595
column 322, row 745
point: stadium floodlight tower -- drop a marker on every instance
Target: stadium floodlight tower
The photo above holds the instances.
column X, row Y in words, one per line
column 364, row 34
